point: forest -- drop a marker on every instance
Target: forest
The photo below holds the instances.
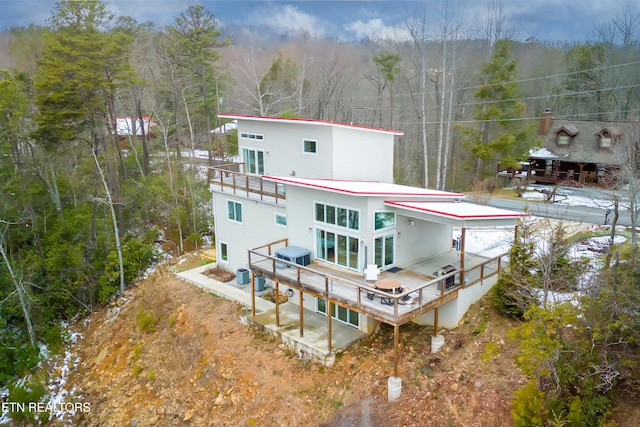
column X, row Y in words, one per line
column 85, row 209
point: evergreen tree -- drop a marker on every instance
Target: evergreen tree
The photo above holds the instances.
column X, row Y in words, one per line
column 501, row 135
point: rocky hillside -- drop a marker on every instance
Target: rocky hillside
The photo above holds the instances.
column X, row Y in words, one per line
column 172, row 354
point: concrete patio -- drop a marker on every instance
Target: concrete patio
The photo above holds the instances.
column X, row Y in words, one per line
column 314, row 340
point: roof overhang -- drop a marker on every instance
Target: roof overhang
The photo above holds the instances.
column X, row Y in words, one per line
column 309, row 122
column 365, row 188
column 458, row 214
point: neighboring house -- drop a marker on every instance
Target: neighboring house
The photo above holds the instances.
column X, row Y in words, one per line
column 126, row 126
column 578, row 152
column 313, row 209
column 226, row 128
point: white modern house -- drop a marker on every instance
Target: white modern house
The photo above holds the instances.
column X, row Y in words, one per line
column 312, row 209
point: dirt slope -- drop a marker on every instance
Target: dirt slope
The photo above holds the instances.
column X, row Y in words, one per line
column 204, row 366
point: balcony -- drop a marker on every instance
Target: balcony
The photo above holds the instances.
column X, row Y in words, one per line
column 422, row 290
column 231, row 178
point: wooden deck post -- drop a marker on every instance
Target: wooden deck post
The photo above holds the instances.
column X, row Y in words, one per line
column 301, row 311
column 277, row 298
column 396, row 349
column 253, row 294
column 462, row 241
column 253, row 287
column 435, row 321
column 330, row 306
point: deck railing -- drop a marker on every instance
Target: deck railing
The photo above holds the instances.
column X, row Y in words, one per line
column 362, row 297
column 232, row 178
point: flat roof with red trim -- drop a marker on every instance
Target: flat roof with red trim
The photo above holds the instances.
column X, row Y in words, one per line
column 457, row 210
column 306, row 121
column 364, row 188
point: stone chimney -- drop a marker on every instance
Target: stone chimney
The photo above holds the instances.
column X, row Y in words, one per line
column 545, row 122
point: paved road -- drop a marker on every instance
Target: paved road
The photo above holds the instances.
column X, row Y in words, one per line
column 582, row 214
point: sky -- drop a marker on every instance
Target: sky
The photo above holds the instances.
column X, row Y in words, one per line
column 546, row 20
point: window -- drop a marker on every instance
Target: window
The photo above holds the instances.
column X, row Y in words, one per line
column 340, row 313
column 330, row 215
column 251, row 136
column 223, row 252
column 234, row 211
column 563, row 140
column 354, row 220
column 309, row 146
column 337, row 215
column 281, row 220
column 605, row 141
column 319, row 212
column 384, row 220
column 342, row 217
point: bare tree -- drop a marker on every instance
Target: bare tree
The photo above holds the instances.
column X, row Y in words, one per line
column 627, row 154
column 19, row 285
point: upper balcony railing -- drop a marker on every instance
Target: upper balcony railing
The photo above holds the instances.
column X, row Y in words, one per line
column 232, row 178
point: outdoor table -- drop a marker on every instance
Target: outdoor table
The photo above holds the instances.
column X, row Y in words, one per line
column 389, row 286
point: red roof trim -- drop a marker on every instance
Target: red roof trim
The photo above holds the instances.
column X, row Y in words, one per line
column 358, row 193
column 450, row 215
column 300, row 120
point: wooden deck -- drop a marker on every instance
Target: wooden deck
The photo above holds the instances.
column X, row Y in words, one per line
column 422, row 291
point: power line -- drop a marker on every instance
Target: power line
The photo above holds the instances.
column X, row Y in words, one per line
column 606, row 67
column 550, row 76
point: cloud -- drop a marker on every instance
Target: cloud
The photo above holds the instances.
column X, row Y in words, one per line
column 375, row 29
column 288, row 19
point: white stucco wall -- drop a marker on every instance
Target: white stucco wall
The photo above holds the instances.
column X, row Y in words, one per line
column 257, row 228
column 423, row 240
column 283, row 148
column 342, row 152
column 362, row 155
column 450, row 314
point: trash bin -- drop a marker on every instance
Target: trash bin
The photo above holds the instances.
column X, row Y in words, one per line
column 242, row 276
column 258, row 283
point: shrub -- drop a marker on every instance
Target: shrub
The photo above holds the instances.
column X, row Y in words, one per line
column 509, row 299
column 590, row 411
column 29, row 391
column 55, row 337
column 137, row 370
column 17, row 355
column 146, row 321
column 137, row 256
column 137, row 350
column 528, row 408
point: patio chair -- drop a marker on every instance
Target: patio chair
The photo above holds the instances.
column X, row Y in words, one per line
column 371, row 274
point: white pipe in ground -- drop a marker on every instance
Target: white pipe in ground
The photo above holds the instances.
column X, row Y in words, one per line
column 395, row 387
column 437, row 341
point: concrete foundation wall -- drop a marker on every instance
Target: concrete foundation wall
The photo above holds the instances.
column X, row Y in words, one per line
column 450, row 314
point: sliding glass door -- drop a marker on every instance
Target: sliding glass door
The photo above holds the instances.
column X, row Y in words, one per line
column 384, row 247
column 337, row 248
column 253, row 161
